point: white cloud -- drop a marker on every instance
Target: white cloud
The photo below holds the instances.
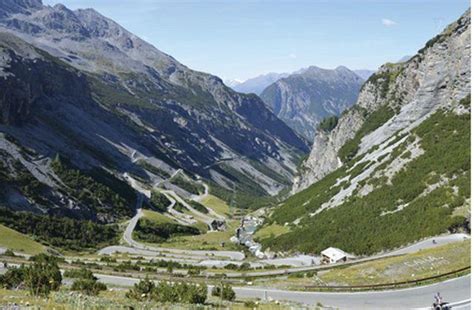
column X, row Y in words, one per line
column 388, row 22
column 292, row 56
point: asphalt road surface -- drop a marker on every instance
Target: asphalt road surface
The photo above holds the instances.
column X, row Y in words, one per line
column 453, row 291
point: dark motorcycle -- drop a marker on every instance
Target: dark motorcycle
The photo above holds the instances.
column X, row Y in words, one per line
column 441, row 306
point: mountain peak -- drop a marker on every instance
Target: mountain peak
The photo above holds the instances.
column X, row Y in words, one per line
column 343, row 69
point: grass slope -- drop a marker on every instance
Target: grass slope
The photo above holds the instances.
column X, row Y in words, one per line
column 17, row 242
column 218, row 205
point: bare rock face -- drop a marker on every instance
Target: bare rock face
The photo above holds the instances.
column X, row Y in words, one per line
column 324, row 159
column 438, row 75
column 31, row 78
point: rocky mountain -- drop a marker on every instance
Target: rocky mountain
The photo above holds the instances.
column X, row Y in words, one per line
column 364, row 73
column 109, row 107
column 232, row 83
column 257, row 84
column 396, row 167
column 306, row 97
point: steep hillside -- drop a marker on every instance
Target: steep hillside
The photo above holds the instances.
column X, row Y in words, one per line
column 396, row 167
column 111, row 105
column 305, row 98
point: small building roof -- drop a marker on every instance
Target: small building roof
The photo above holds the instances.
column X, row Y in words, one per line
column 334, row 253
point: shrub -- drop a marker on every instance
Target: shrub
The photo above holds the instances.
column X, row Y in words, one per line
column 13, row 277
column 169, row 292
column 88, row 286
column 82, row 273
column 9, row 252
column 159, row 201
column 188, row 185
column 223, row 291
column 197, row 206
column 42, row 277
column 142, row 290
column 150, row 231
column 329, row 123
column 245, row 266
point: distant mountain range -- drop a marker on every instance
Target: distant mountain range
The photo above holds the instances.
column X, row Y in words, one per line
column 305, row 98
column 364, row 73
column 257, row 84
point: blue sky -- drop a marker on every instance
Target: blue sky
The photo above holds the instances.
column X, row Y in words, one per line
column 241, row 39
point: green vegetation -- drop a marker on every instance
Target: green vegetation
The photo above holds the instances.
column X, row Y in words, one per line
column 273, row 230
column 151, row 231
column 223, row 291
column 308, row 200
column 218, row 205
column 188, row 185
column 215, row 240
column 18, row 242
column 88, row 286
column 383, row 79
column 245, row 183
column 21, row 178
column 13, row 278
column 113, row 95
column 159, row 201
column 85, row 281
column 328, row 123
column 197, row 206
column 178, row 292
column 270, row 172
column 241, row 199
column 178, row 206
column 357, row 225
column 153, row 169
column 42, row 277
column 148, row 266
column 100, row 191
column 156, row 217
column 466, row 101
column 372, row 122
column 59, row 231
column 81, row 273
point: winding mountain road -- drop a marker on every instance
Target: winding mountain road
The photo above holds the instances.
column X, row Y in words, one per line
column 140, row 248
column 456, row 291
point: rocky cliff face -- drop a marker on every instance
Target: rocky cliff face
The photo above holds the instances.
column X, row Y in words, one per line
column 304, row 98
column 76, row 83
column 435, row 77
column 28, row 77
